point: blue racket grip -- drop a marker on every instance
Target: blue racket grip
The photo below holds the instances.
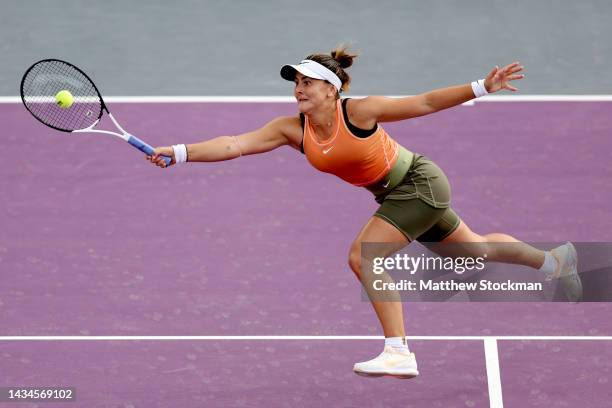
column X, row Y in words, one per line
column 145, row 148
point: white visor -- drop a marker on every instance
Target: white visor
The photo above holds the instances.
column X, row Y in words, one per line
column 311, row 69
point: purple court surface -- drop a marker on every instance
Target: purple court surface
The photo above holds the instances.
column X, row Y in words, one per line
column 95, row 241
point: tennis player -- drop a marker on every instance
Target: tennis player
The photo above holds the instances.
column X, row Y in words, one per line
column 344, row 137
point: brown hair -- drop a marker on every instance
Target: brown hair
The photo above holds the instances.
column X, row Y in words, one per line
column 337, row 61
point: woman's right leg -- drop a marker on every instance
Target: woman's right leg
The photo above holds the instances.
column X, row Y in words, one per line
column 396, row 359
column 377, row 230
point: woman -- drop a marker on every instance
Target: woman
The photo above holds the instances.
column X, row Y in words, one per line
column 344, row 138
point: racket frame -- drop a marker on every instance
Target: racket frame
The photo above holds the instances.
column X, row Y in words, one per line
column 128, row 137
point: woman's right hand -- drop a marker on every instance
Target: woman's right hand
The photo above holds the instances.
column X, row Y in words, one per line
column 157, row 158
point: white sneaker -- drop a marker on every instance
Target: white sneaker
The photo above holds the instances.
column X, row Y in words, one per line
column 567, row 271
column 390, row 362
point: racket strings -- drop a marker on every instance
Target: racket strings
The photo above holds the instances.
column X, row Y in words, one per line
column 41, row 85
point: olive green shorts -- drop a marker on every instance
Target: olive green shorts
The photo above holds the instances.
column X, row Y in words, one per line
column 419, row 206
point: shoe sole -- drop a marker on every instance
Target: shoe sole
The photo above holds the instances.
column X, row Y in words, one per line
column 574, row 255
column 378, row 375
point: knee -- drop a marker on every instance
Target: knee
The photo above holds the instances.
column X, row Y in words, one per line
column 354, row 260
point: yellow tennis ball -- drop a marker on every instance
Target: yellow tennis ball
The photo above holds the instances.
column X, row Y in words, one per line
column 64, row 99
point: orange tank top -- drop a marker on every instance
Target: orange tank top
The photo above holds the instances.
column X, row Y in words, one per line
column 359, row 161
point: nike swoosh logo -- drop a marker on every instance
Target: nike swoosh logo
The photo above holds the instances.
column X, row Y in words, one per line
column 394, row 361
column 327, row 150
column 390, row 364
column 387, row 184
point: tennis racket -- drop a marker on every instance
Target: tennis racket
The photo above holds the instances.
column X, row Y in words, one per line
column 44, row 80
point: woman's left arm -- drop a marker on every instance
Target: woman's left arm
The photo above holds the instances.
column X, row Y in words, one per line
column 382, row 109
column 497, row 80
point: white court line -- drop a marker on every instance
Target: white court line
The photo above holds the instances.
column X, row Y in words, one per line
column 493, row 376
column 290, row 99
column 272, row 337
column 490, row 347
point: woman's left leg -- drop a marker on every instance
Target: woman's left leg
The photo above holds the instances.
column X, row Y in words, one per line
column 517, row 253
column 560, row 262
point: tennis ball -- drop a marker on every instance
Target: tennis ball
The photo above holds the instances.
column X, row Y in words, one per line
column 64, row 99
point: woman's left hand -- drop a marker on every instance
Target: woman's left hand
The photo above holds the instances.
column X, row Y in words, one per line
column 499, row 78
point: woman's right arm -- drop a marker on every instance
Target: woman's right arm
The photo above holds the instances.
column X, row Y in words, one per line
column 278, row 132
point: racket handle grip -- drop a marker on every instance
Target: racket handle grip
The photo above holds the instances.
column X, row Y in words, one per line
column 145, row 148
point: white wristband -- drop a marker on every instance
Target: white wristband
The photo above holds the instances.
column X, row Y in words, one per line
column 479, row 88
column 180, row 153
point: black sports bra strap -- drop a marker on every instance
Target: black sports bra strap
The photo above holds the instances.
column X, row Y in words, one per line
column 302, row 121
column 362, row 133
